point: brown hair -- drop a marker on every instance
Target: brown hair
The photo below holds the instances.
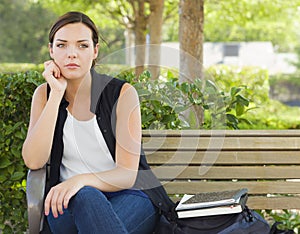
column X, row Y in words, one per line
column 71, row 18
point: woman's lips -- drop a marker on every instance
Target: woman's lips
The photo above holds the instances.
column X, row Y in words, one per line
column 72, row 65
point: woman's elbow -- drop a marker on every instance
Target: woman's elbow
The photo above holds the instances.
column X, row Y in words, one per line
column 33, row 166
column 29, row 160
column 131, row 180
column 30, row 164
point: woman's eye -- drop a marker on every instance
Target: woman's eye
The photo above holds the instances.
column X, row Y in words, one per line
column 83, row 46
column 60, row 45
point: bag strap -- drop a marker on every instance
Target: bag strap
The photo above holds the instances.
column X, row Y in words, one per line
column 48, row 162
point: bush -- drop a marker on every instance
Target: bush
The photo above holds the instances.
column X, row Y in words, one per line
column 20, row 67
column 255, row 79
column 15, row 98
column 165, row 102
column 285, row 88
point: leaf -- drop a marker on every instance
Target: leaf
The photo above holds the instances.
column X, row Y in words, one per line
column 4, row 162
column 239, row 109
column 15, row 152
column 246, row 121
column 17, row 176
column 211, row 84
column 2, row 178
column 234, row 91
column 143, row 92
column 232, row 119
column 242, row 99
column 170, row 74
column 185, row 87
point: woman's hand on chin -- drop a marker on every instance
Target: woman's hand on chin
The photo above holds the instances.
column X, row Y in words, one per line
column 54, row 78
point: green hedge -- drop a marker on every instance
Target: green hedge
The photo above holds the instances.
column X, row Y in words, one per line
column 19, row 67
column 15, row 98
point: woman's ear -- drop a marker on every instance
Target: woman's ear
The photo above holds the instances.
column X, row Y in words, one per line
column 96, row 51
column 50, row 47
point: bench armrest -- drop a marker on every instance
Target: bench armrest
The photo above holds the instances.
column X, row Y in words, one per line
column 35, row 191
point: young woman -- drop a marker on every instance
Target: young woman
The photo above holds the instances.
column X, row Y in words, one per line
column 90, row 126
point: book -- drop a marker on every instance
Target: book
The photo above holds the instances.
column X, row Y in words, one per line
column 214, row 210
column 211, row 199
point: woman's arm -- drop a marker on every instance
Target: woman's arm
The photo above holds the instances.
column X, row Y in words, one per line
column 37, row 145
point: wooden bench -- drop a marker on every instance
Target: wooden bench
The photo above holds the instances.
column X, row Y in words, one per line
column 267, row 162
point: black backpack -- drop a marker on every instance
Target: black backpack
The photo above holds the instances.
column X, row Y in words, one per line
column 246, row 222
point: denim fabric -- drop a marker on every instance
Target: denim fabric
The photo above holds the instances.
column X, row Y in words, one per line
column 91, row 211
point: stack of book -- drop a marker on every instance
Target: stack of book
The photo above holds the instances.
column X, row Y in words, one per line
column 212, row 203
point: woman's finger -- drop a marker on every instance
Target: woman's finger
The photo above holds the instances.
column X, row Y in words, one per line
column 47, row 203
column 59, row 203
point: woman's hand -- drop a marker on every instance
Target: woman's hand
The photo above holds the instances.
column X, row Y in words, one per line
column 54, row 77
column 60, row 195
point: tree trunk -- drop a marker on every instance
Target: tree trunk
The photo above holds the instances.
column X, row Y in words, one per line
column 155, row 29
column 191, row 38
column 140, row 37
column 191, row 44
column 129, row 44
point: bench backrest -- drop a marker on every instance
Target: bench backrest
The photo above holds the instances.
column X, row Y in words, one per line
column 267, row 162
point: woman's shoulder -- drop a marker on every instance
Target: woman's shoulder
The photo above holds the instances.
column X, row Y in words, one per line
column 128, row 92
column 41, row 92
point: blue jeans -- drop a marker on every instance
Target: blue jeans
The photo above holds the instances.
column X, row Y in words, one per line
column 92, row 211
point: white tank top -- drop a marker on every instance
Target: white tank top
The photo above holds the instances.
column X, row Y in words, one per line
column 85, row 150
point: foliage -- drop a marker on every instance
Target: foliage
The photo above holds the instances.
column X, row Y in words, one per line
column 24, row 24
column 20, row 67
column 257, row 20
column 161, row 102
column 254, row 78
column 279, row 79
column 285, row 88
column 164, row 101
column 273, row 115
column 222, row 109
column 260, row 89
column 243, row 20
column 287, row 219
column 24, row 27
column 297, row 63
column 15, row 97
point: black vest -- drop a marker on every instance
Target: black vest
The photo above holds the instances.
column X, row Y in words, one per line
column 104, row 97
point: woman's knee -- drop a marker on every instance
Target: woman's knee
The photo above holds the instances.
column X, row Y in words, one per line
column 87, row 195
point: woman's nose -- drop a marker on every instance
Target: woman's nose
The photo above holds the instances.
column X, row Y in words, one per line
column 72, row 52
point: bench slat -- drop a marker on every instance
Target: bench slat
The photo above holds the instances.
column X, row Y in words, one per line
column 234, row 133
column 274, row 203
column 222, row 172
column 224, row 157
column 228, row 143
column 261, row 187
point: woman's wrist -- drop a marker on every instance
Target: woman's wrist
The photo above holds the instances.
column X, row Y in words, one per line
column 56, row 95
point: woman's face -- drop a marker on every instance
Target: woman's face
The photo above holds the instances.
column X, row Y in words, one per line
column 73, row 50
